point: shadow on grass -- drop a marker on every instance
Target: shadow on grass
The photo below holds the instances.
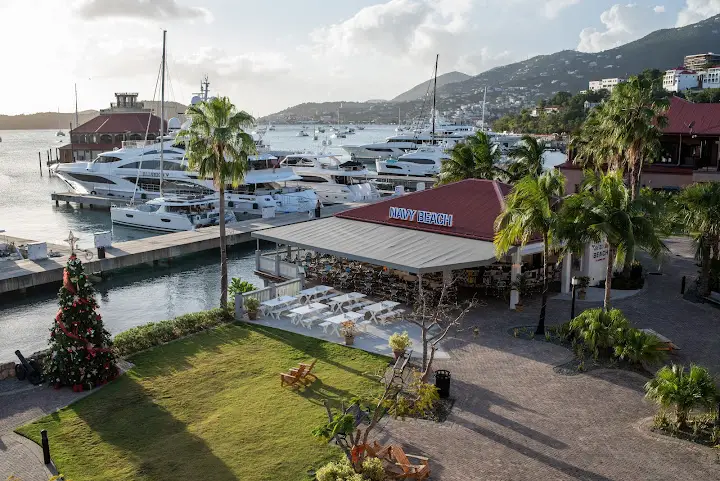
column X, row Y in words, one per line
column 155, row 443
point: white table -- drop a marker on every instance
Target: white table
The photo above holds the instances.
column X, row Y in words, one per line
column 339, row 301
column 307, row 295
column 340, row 318
column 271, row 305
column 300, row 312
column 379, row 308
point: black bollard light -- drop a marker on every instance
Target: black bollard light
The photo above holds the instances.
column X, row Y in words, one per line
column 45, row 446
column 682, row 285
column 575, row 281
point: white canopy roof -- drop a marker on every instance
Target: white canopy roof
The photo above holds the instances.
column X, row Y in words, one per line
column 395, row 247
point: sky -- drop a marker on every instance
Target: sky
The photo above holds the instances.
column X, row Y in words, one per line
column 269, row 55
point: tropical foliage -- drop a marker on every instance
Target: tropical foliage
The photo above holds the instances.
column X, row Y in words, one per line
column 528, row 158
column 605, row 212
column 531, row 209
column 238, row 286
column 476, row 158
column 682, row 389
column 217, row 147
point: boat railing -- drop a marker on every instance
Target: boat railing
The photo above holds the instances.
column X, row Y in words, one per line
column 136, row 144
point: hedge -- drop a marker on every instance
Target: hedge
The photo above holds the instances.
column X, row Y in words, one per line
column 143, row 337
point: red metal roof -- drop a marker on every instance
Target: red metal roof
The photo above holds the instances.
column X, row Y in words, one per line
column 474, row 205
column 120, row 122
column 681, row 114
column 100, row 147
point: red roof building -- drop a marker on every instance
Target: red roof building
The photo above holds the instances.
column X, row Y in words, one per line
column 688, row 118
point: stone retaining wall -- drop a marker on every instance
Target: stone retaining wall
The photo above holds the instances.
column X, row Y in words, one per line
column 7, row 370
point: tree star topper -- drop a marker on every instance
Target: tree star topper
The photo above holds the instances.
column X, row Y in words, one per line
column 72, row 240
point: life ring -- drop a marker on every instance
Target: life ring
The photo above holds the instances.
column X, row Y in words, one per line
column 92, row 192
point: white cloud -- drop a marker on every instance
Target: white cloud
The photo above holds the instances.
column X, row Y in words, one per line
column 697, row 10
column 141, row 9
column 659, row 9
column 554, row 7
column 623, row 23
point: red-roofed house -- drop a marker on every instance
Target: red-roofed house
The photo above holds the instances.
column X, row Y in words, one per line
column 689, row 149
column 126, row 119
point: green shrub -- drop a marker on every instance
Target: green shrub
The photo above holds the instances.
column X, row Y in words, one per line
column 238, row 286
column 143, row 337
column 636, row 346
column 400, row 342
column 372, row 469
column 599, row 330
column 337, row 471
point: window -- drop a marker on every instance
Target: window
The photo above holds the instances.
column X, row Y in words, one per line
column 131, row 165
column 106, row 159
column 375, row 149
column 312, row 178
column 91, row 178
column 420, row 161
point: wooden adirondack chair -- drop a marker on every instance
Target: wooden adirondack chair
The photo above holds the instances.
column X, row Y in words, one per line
column 298, row 374
column 403, row 469
column 377, row 450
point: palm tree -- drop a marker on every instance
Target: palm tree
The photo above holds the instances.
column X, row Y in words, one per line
column 697, row 211
column 528, row 157
column 685, row 390
column 218, row 147
column 604, row 211
column 599, row 330
column 476, row 158
column 594, row 150
column 530, row 211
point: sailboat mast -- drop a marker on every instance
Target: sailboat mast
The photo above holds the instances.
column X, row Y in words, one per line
column 76, row 108
column 162, row 113
column 432, row 139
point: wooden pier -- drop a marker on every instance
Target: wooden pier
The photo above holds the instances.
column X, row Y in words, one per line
column 23, row 274
column 90, row 201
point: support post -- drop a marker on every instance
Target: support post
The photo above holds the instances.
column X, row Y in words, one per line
column 447, row 278
column 515, row 273
column 277, row 260
column 45, row 446
column 40, row 162
column 566, row 274
column 257, row 260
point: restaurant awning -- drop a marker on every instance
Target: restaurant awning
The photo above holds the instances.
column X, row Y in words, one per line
column 395, row 247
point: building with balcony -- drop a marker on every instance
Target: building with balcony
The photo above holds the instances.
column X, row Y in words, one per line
column 680, row 79
column 701, row 61
column 126, row 119
column 710, row 79
column 689, row 151
column 605, row 84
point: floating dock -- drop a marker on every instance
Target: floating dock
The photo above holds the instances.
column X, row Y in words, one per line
column 23, row 274
column 91, row 201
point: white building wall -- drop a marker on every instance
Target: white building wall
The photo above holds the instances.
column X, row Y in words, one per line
column 679, row 81
column 711, row 78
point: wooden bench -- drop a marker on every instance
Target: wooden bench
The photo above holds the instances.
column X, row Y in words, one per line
column 403, row 468
column 300, row 374
column 399, row 367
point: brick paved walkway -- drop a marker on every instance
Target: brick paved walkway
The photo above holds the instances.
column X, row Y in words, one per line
column 516, row 419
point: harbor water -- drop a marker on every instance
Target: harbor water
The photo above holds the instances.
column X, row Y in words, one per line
column 129, row 297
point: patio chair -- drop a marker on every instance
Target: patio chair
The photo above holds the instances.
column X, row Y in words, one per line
column 403, row 468
column 300, row 374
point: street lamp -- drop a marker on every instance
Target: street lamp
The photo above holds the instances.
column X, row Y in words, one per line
column 575, row 281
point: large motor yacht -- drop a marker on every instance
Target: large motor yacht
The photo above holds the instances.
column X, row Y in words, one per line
column 332, row 180
column 393, row 146
column 171, row 213
column 424, row 162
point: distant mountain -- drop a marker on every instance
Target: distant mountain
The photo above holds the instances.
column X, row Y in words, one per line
column 518, row 85
column 419, row 91
column 62, row 120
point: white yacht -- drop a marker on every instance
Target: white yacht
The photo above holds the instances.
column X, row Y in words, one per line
column 171, row 213
column 271, row 126
column 393, row 146
column 332, row 180
column 302, row 133
column 424, row 162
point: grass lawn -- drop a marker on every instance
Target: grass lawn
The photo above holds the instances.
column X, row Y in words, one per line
column 209, row 407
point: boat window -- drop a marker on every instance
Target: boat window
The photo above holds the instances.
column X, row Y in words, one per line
column 150, row 152
column 131, row 165
column 312, row 178
column 376, row 149
column 106, row 159
column 290, row 161
column 420, row 161
column 90, row 178
column 390, row 166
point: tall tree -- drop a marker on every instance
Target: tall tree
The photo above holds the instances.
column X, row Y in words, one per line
column 605, row 211
column 531, row 209
column 476, row 158
column 218, row 147
column 528, row 158
column 697, row 212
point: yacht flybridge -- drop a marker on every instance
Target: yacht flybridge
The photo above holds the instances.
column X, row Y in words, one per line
column 424, row 162
column 172, row 213
column 393, row 146
column 333, row 181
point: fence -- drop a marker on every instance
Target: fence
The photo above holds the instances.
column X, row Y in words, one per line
column 275, row 267
column 287, row 288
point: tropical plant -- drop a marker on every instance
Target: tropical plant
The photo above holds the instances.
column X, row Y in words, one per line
column 238, row 286
column 338, row 471
column 674, row 386
column 599, row 330
column 475, row 158
column 531, row 212
column 528, row 158
column 217, row 147
column 637, row 346
column 400, row 342
column 604, row 212
column 251, row 304
column 697, row 213
column 348, row 328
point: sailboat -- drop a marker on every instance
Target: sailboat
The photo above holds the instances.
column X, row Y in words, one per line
column 169, row 213
column 399, row 127
column 59, row 133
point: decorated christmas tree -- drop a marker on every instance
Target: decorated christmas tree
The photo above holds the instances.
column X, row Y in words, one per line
column 81, row 354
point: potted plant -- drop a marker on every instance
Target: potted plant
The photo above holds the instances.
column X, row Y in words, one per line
column 400, row 343
column 583, row 283
column 252, row 305
column 522, row 288
column 348, row 330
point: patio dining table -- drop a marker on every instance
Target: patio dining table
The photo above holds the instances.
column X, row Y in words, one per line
column 339, row 302
column 340, row 318
column 380, row 308
column 299, row 313
column 306, row 296
column 271, row 307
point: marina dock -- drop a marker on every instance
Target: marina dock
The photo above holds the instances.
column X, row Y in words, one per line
column 23, row 274
column 90, row 201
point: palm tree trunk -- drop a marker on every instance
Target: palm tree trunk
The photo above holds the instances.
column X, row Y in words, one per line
column 705, row 269
column 633, row 182
column 540, row 331
column 608, row 276
column 223, row 252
